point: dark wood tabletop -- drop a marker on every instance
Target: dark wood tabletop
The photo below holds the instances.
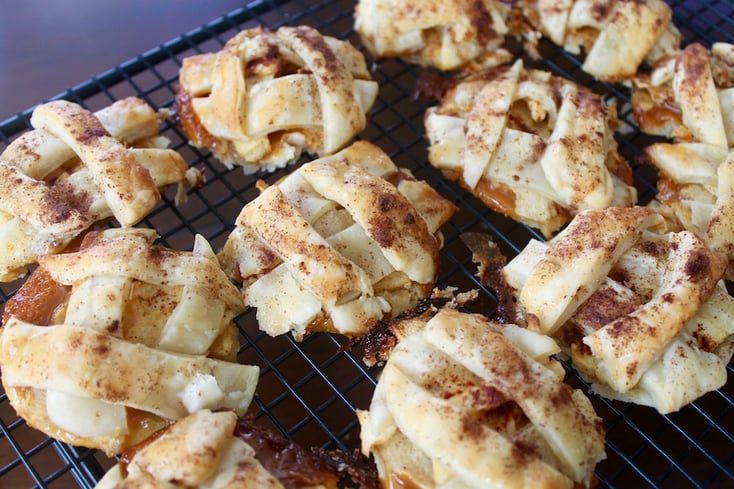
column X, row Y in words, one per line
column 47, row 47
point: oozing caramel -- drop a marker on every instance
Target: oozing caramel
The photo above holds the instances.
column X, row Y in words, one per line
column 38, row 300
column 191, row 124
column 498, row 197
column 658, row 115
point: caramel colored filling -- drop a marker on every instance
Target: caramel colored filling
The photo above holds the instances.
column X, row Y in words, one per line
column 137, row 419
column 187, row 119
column 38, row 300
column 668, row 190
column 650, row 115
column 498, row 197
column 294, row 466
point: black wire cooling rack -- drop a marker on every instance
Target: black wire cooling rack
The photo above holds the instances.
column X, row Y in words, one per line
column 310, row 390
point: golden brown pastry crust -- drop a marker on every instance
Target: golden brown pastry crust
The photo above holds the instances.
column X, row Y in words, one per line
column 338, row 244
column 644, row 316
column 197, row 451
column 76, row 168
column 532, row 146
column 616, row 37
column 128, row 188
column 131, row 334
column 689, row 96
column 267, row 96
column 695, row 192
column 444, row 34
column 479, row 404
column 218, row 449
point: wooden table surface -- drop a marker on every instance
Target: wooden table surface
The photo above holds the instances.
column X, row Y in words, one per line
column 47, row 46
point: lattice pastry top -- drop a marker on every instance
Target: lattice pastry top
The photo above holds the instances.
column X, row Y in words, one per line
column 533, row 146
column 338, row 244
column 209, row 450
column 76, row 168
column 104, row 345
column 644, row 316
column 467, row 402
column 689, row 96
column 268, row 96
column 616, row 36
column 444, row 34
column 696, row 192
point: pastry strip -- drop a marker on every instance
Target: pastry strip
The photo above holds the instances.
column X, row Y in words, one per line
column 128, row 187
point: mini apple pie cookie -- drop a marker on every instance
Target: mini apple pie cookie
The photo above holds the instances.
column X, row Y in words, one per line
column 689, row 96
column 443, row 34
column 530, row 145
column 104, row 345
column 616, row 36
column 215, row 450
column 696, row 192
column 468, row 402
column 644, row 316
column 76, row 168
column 266, row 97
column 338, row 244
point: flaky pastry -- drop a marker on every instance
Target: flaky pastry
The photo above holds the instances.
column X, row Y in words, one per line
column 696, row 192
column 338, row 244
column 444, row 34
column 101, row 346
column 467, row 402
column 266, row 97
column 689, row 96
column 530, row 145
column 644, row 316
column 76, row 168
column 615, row 36
column 210, row 450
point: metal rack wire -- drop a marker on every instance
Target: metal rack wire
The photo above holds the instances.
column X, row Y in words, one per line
column 309, row 390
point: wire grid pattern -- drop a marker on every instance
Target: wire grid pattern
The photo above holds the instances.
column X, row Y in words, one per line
column 310, row 390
